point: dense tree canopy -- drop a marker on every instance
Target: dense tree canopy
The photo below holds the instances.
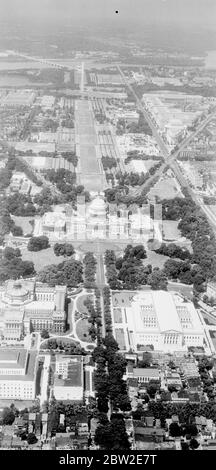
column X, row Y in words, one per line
column 8, row 416
column 38, row 243
column 194, row 225
column 90, row 264
column 67, row 273
column 12, row 266
column 157, row 279
column 63, row 249
column 112, row 434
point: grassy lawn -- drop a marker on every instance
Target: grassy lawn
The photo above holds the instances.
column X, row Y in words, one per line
column 41, row 258
column 122, row 299
column 166, row 188
column 171, row 233
column 208, row 319
column 23, row 222
column 156, row 260
column 94, row 247
column 185, row 290
column 82, row 328
column 80, row 303
column 170, row 230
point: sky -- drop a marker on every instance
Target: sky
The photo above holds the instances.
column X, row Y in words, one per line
column 180, row 12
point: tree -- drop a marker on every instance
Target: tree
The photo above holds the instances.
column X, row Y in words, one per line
column 112, row 434
column 194, row 444
column 172, row 388
column 184, row 446
column 146, row 360
column 173, row 251
column 17, row 231
column 44, row 334
column 12, row 266
column 31, row 438
column 104, row 436
column 152, row 388
column 175, row 430
column 38, row 243
column 67, row 273
column 190, row 429
column 157, row 280
column 90, row 264
column 8, row 416
column 63, row 249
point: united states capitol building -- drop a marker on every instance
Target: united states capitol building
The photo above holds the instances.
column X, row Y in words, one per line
column 26, row 305
column 100, row 220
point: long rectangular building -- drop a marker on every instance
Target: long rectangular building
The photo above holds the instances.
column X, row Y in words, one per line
column 17, row 374
column 162, row 319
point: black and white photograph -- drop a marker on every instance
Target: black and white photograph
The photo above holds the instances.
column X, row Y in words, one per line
column 107, row 232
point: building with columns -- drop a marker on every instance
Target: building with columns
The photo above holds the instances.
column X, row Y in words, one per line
column 162, row 319
column 26, row 305
column 99, row 220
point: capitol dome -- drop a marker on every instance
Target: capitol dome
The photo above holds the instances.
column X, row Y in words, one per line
column 16, row 292
column 97, row 208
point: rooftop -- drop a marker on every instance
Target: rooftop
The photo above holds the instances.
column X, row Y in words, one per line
column 26, row 360
column 148, row 372
column 12, row 358
column 74, row 374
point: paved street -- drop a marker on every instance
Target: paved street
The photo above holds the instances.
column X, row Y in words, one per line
column 170, row 160
column 45, row 379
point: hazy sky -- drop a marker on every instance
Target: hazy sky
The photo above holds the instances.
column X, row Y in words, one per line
column 202, row 12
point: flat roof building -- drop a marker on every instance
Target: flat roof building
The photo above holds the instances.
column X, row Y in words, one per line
column 17, row 374
column 143, row 375
column 162, row 319
column 68, row 378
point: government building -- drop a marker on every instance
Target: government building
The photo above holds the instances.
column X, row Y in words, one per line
column 18, row 369
column 98, row 219
column 68, row 381
column 26, row 305
column 164, row 320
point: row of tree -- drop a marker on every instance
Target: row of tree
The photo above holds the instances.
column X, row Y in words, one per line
column 109, row 383
column 7, row 224
column 173, row 251
column 108, row 163
column 186, row 273
column 186, row 412
column 90, row 264
column 69, row 347
column 111, row 271
column 71, row 157
column 15, row 164
column 136, row 179
column 107, row 309
column 94, row 315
